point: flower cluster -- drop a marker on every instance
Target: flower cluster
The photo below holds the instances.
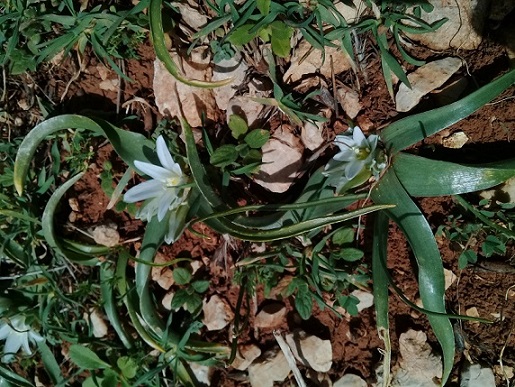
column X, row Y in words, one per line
column 164, row 193
column 358, row 159
column 17, row 334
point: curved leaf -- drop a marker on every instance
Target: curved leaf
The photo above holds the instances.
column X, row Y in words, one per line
column 425, row 177
column 380, row 289
column 158, row 40
column 129, row 146
column 47, row 221
column 410, row 130
column 107, row 273
column 430, row 274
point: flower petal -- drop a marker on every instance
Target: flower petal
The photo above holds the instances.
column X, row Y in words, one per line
column 165, row 157
column 165, row 202
column 5, row 330
column 12, row 343
column 143, row 191
column 353, row 168
column 154, row 171
column 24, row 343
column 358, row 136
column 347, row 154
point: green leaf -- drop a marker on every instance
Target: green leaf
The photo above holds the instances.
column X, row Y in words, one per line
column 350, row 254
column 10, row 379
column 86, row 358
column 110, row 378
column 224, row 156
column 127, row 366
column 51, row 366
column 281, row 36
column 129, row 146
column 304, row 302
column 493, row 246
column 430, row 269
column 257, row 138
column 468, row 256
column 181, row 276
column 237, row 125
column 380, row 288
column 263, row 6
column 410, row 130
column 106, row 287
column 343, row 236
column 241, row 35
column 442, row 178
column 200, row 286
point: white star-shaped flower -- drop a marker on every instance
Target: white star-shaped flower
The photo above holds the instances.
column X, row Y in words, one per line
column 164, row 193
column 357, row 154
column 17, row 334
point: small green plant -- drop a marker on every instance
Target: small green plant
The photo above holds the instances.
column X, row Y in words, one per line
column 330, row 267
column 35, row 31
column 189, row 296
column 486, row 231
column 243, row 158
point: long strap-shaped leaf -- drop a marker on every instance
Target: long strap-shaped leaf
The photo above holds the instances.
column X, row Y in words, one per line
column 410, row 130
column 129, row 146
column 158, row 40
column 425, row 177
column 380, row 289
column 430, row 269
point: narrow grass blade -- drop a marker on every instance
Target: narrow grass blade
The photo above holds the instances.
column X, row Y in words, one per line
column 131, row 302
column 154, row 237
column 9, row 378
column 51, row 366
column 107, row 274
column 443, row 178
column 158, row 40
column 410, row 130
column 430, row 269
column 380, row 289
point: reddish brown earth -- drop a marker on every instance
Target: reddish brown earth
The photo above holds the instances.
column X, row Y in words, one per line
column 354, row 340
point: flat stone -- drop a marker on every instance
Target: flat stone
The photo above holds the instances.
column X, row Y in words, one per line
column 282, row 161
column 246, row 108
column 98, row 324
column 476, row 376
column 306, row 60
column 196, row 102
column 106, row 234
column 417, row 366
column 245, row 355
column 271, row 367
column 464, row 28
column 424, row 80
column 366, row 299
column 162, row 274
column 311, row 351
column 234, row 68
column 271, row 316
column 350, row 380
column 217, row 314
column 455, row 140
column 349, row 100
column 311, row 135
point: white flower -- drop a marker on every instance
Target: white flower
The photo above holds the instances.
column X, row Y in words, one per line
column 358, row 155
column 17, row 334
column 164, row 193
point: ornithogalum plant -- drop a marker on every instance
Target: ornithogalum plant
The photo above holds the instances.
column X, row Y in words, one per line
column 397, row 177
